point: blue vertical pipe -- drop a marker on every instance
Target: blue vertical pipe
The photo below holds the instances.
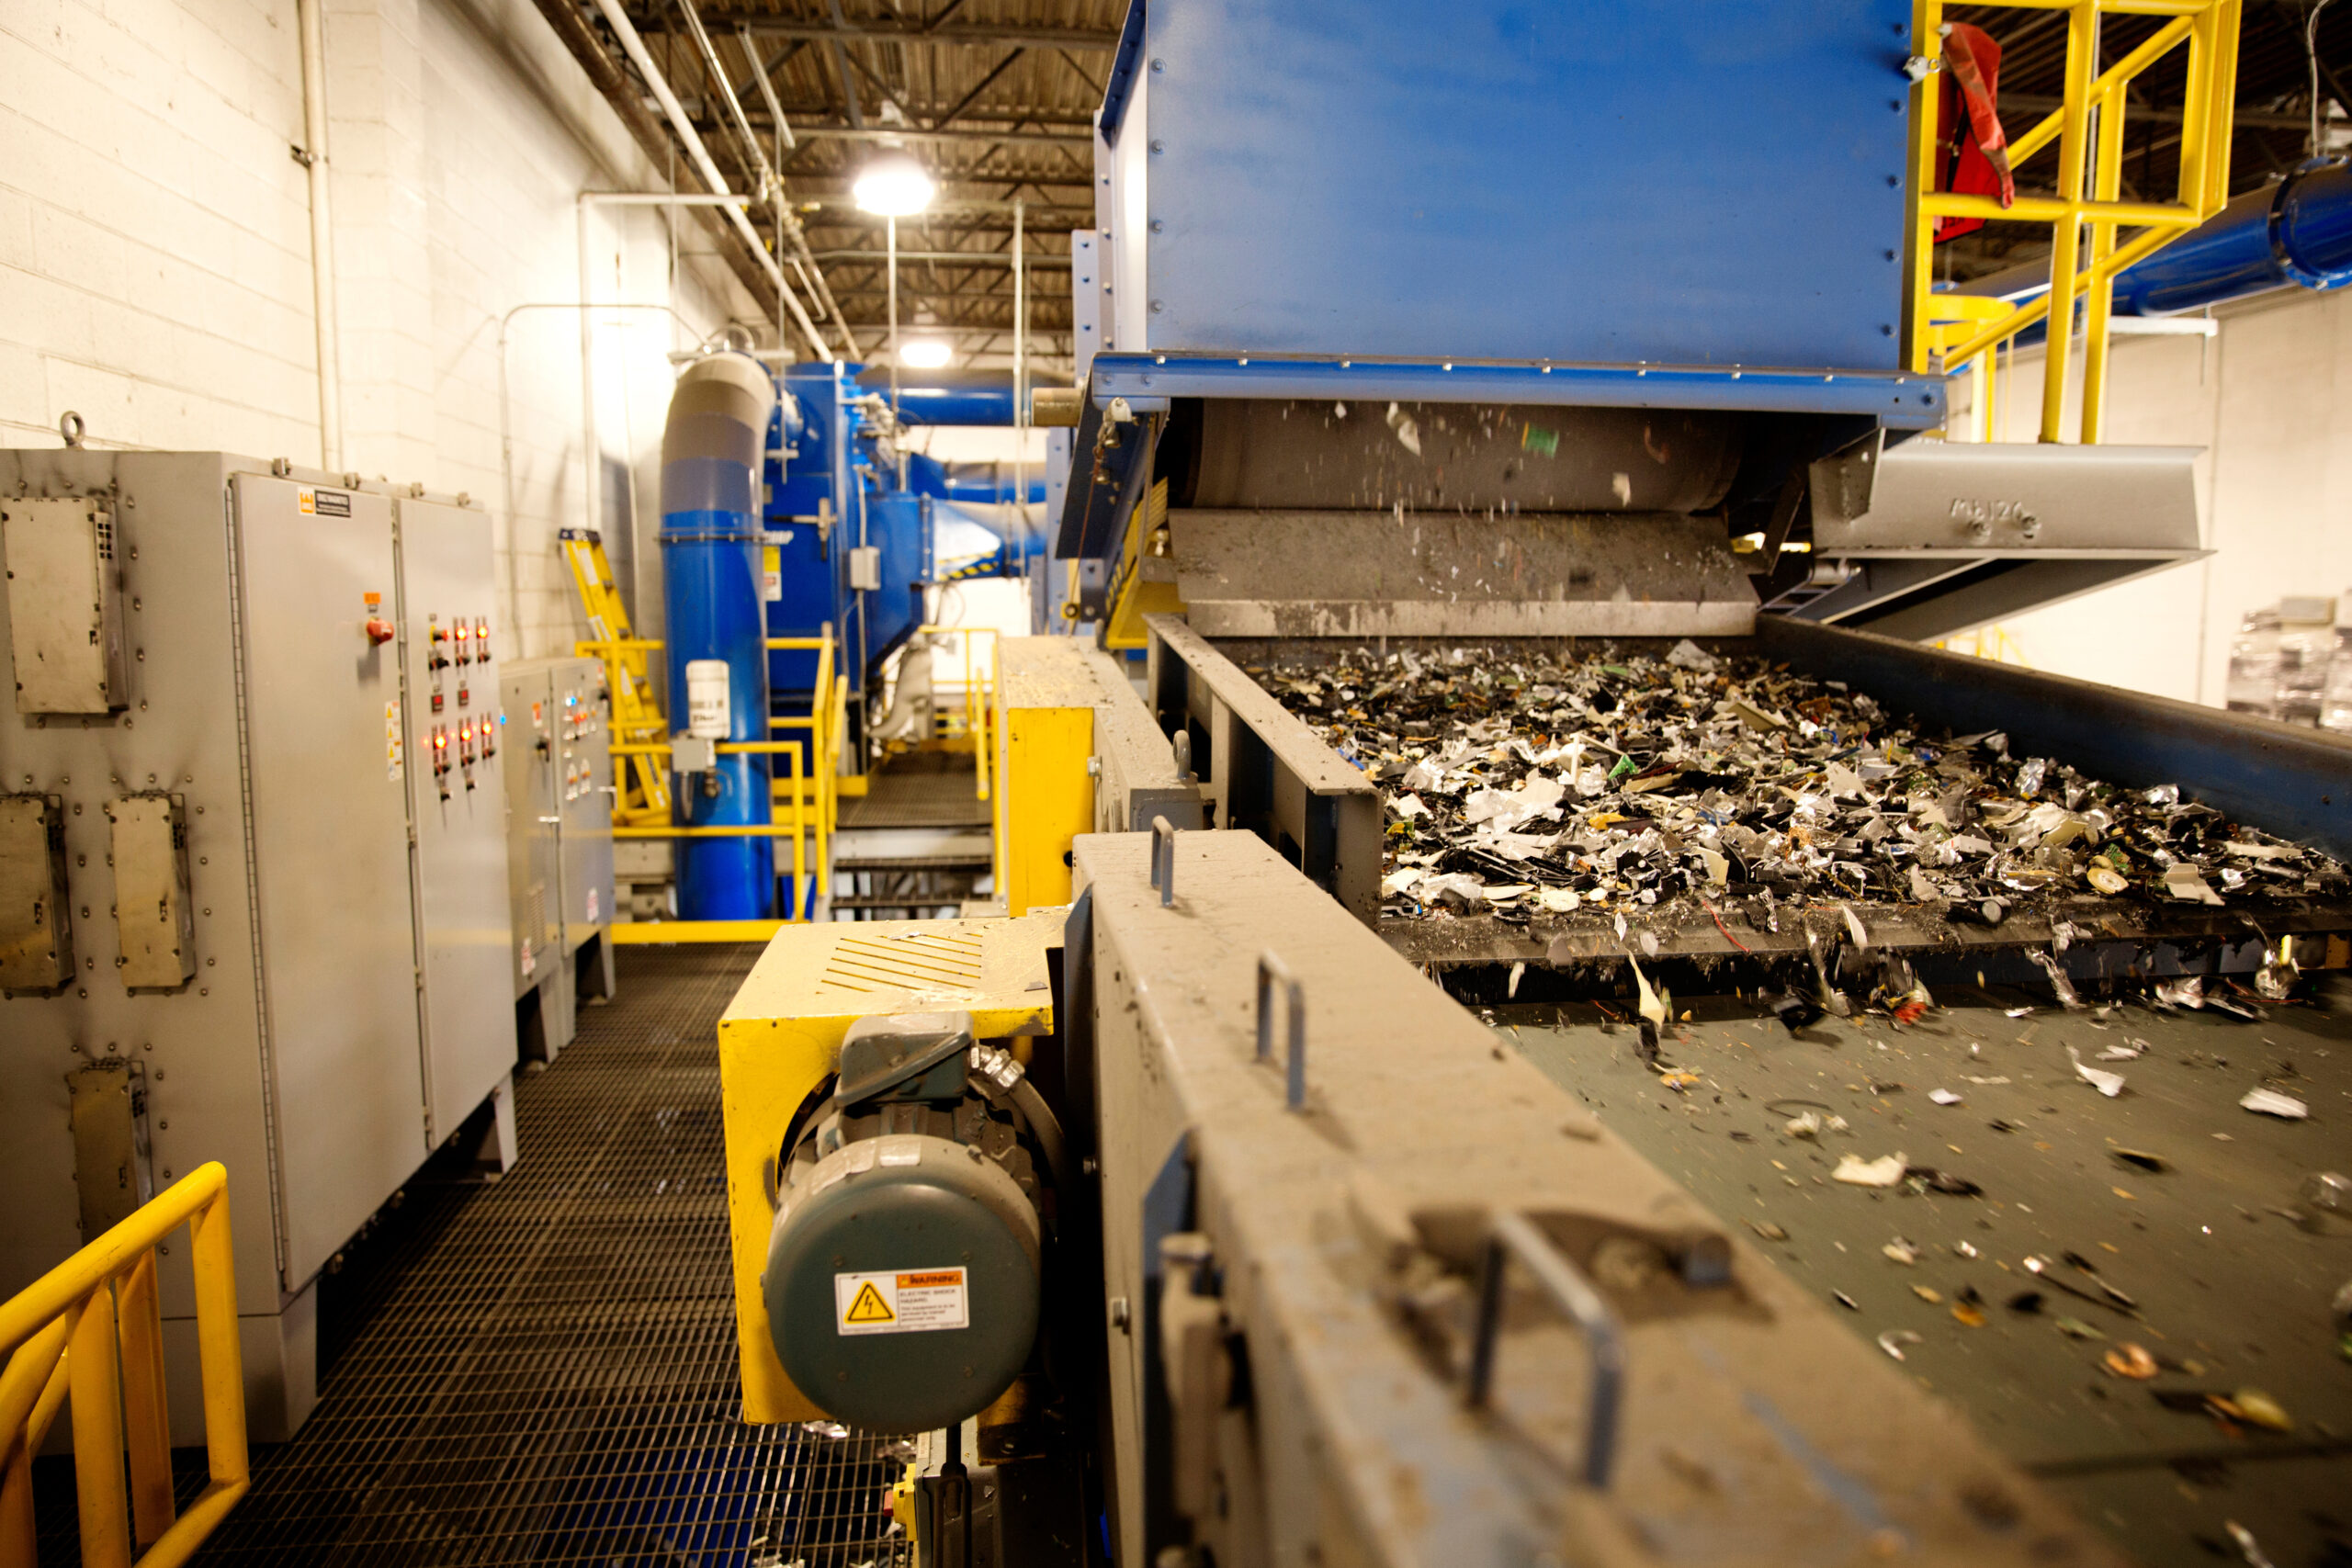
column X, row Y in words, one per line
column 711, row 454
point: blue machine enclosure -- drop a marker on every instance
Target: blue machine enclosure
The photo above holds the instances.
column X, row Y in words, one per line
column 1657, row 181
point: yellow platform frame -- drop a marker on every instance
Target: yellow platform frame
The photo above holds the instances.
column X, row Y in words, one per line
column 782, row 1034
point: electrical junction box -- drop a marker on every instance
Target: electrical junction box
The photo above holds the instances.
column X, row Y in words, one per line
column 64, row 604
column 36, row 921
column 236, row 814
column 865, row 568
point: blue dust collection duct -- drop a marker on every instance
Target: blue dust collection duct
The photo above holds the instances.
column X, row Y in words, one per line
column 711, row 454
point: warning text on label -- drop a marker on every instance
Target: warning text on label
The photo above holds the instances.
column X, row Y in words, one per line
column 901, row 1302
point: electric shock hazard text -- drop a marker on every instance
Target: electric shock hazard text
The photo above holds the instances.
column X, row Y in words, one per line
column 912, row 1301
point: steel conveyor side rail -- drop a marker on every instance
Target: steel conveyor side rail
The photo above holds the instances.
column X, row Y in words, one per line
column 1266, row 770
column 2280, row 777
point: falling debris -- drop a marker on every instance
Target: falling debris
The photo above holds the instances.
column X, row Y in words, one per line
column 1859, row 1172
column 2329, row 1190
column 2075, row 1328
column 2256, row 1408
column 2270, row 1102
column 2130, row 1361
column 2059, row 981
column 1901, row 1251
column 1768, row 1230
column 1929, row 1295
column 2248, row 1548
column 2141, row 1158
column 1894, row 1339
column 1943, row 1096
column 2107, row 1083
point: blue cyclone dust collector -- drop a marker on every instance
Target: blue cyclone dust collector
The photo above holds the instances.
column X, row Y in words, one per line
column 789, row 510
column 711, row 543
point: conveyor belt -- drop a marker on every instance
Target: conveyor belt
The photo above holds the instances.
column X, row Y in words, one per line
column 2231, row 1267
column 543, row 1369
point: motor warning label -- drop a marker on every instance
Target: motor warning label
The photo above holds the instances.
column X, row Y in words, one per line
column 914, row 1302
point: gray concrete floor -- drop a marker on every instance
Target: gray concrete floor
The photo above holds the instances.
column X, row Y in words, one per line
column 2226, row 1279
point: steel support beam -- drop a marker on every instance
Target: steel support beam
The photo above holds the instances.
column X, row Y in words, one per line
column 882, row 32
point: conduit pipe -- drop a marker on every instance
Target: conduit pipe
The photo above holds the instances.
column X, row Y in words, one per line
column 311, row 30
column 699, row 156
column 771, row 182
column 2297, row 233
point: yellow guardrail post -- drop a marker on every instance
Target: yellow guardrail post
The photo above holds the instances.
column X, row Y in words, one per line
column 93, row 1325
column 2089, row 180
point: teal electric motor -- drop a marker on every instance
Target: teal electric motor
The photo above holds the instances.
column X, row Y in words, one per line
column 902, row 1272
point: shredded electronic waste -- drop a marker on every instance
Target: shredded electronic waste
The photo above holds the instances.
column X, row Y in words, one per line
column 1529, row 784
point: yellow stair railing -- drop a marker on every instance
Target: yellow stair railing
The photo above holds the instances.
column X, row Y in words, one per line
column 2087, row 130
column 642, row 791
column 971, row 721
column 93, row 1326
column 810, row 791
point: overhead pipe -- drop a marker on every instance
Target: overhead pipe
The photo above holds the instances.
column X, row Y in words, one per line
column 2295, row 234
column 699, row 156
column 947, row 397
column 771, row 181
column 713, row 449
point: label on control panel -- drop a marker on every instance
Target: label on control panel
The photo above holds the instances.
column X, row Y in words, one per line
column 895, row 1303
column 393, row 747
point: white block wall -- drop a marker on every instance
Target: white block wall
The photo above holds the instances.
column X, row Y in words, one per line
column 2270, row 397
column 155, row 269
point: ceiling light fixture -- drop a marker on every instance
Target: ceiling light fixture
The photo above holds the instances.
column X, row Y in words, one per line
column 892, row 185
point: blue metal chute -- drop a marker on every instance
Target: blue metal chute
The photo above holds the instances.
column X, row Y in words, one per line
column 711, row 539
column 980, row 484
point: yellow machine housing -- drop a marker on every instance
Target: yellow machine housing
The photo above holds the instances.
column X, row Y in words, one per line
column 782, row 1035
column 1047, row 690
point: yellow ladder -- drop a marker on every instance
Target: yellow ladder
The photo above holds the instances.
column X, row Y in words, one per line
column 643, row 777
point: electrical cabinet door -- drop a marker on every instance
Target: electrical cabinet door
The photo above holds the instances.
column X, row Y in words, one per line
column 534, row 872
column 456, row 792
column 330, row 843
column 584, row 742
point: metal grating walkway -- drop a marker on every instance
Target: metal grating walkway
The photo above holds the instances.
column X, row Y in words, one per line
column 542, row 1371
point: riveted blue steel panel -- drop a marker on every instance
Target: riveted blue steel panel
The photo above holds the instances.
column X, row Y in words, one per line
column 1899, row 400
column 1693, row 184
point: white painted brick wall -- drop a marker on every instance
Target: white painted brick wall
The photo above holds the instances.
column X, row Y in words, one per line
column 156, row 255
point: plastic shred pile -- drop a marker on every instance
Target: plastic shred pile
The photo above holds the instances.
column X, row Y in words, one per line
column 1519, row 786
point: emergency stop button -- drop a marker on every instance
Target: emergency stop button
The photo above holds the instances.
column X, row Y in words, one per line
column 379, row 630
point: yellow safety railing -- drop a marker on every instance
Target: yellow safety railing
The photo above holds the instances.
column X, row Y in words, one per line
column 979, row 686
column 810, row 789
column 2087, row 130
column 641, row 792
column 93, row 1326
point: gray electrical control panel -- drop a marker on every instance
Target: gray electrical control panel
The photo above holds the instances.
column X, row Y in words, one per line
column 559, row 846
column 227, row 918
column 457, row 789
